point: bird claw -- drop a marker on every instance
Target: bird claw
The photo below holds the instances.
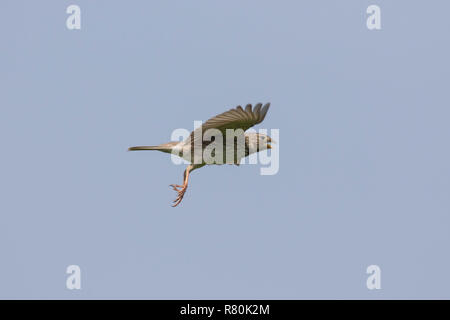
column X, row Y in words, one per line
column 176, row 186
column 180, row 192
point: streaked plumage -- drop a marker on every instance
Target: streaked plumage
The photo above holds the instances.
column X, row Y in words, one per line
column 197, row 141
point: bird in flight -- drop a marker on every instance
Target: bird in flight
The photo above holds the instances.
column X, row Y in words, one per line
column 231, row 124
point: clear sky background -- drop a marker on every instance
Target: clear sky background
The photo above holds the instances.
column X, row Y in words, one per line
column 364, row 149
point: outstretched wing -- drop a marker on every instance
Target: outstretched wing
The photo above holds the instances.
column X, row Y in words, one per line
column 237, row 118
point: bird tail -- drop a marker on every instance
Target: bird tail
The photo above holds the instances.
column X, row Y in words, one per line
column 146, row 148
column 167, row 147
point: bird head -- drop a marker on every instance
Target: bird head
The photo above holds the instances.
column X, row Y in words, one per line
column 260, row 141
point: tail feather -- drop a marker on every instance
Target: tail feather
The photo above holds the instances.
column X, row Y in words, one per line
column 146, row 148
column 166, row 147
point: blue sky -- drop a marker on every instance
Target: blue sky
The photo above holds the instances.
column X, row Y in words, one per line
column 363, row 119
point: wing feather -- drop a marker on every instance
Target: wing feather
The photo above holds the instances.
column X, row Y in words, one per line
column 237, row 118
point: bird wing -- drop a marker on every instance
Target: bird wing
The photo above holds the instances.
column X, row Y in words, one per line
column 237, row 118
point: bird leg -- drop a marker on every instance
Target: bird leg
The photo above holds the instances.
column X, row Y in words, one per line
column 181, row 189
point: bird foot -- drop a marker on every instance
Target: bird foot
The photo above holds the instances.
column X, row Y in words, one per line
column 180, row 190
column 176, row 186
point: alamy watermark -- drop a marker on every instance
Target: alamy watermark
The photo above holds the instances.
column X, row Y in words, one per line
column 374, row 280
column 73, row 281
column 233, row 146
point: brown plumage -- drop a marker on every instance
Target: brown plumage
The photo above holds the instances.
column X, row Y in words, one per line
column 192, row 149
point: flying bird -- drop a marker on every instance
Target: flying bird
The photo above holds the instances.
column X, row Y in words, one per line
column 232, row 122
